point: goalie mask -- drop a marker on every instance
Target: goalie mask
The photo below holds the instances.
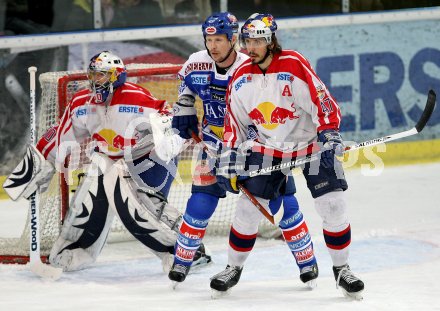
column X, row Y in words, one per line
column 258, row 26
column 106, row 72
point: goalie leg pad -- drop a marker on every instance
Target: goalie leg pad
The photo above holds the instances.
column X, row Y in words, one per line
column 32, row 173
column 144, row 212
column 85, row 228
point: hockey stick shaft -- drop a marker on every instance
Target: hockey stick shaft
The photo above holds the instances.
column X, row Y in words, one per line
column 426, row 115
column 34, row 252
column 36, row 265
column 243, row 189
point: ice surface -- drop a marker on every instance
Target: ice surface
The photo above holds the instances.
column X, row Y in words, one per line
column 395, row 219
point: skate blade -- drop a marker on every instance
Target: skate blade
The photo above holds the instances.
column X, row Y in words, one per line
column 216, row 294
column 174, row 285
column 312, row 284
column 354, row 296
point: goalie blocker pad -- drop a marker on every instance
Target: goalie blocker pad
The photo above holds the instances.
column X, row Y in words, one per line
column 33, row 173
column 105, row 191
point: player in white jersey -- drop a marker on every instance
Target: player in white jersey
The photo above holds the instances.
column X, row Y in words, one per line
column 126, row 176
column 278, row 92
column 206, row 74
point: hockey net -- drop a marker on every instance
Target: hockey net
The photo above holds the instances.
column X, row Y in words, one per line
column 57, row 90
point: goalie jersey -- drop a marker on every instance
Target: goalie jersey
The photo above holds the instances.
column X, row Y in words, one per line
column 199, row 76
column 112, row 127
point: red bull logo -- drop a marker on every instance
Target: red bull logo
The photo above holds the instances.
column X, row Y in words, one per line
column 320, row 92
column 267, row 20
column 109, row 140
column 269, row 116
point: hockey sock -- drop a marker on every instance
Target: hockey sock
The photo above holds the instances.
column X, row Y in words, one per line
column 201, row 205
column 336, row 227
column 199, row 210
column 244, row 230
column 296, row 234
column 275, row 204
column 338, row 241
column 240, row 246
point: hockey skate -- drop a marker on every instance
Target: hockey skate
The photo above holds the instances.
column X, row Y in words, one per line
column 309, row 274
column 178, row 274
column 351, row 286
column 202, row 257
column 223, row 281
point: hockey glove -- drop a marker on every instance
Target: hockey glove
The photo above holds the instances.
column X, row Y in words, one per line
column 185, row 117
column 227, row 168
column 167, row 145
column 332, row 146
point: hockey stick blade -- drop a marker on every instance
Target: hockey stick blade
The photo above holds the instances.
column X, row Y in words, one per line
column 46, row 271
column 427, row 112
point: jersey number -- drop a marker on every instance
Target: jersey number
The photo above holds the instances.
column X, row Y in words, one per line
column 326, row 106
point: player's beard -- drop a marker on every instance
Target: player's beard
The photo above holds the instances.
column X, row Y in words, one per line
column 257, row 59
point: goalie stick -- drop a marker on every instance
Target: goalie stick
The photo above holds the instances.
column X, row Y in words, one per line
column 424, row 118
column 36, row 265
column 274, row 220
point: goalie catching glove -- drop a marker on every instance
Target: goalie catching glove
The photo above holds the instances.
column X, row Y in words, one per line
column 167, row 144
column 33, row 173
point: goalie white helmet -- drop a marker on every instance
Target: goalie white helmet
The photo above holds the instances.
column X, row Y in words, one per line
column 106, row 72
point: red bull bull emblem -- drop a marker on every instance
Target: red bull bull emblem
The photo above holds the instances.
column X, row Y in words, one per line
column 109, row 140
column 269, row 116
column 267, row 20
column 320, row 92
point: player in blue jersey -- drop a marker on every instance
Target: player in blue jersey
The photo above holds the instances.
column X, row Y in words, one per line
column 206, row 74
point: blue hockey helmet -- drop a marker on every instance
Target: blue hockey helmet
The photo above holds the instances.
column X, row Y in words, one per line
column 259, row 26
column 220, row 23
column 106, row 72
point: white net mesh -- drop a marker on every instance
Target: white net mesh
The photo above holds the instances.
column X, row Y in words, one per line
column 57, row 90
